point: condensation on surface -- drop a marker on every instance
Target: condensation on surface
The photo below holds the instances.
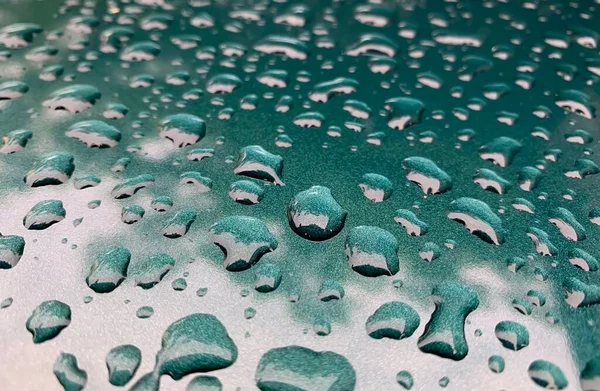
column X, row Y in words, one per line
column 327, row 195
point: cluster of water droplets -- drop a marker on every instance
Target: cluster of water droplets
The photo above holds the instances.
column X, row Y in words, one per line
column 329, row 151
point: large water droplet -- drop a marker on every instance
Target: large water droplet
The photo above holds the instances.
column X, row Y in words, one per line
column 48, row 319
column 315, row 215
column 295, row 367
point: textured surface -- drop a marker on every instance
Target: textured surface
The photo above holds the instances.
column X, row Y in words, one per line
column 485, row 114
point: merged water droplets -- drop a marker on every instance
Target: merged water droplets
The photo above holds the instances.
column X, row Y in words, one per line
column 322, row 92
column 410, row 222
column 541, row 241
column 575, row 101
column 310, row 119
column 372, row 44
column 444, row 335
column 130, row 186
column 398, row 118
column 491, row 181
column 140, row 51
column 284, row 45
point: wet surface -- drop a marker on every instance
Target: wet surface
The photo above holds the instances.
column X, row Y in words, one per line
column 338, row 195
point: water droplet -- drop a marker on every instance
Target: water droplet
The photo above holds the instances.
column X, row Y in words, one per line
column 375, row 187
column 54, row 169
column 567, row 224
column 108, row 270
column 427, row 175
column 496, row 364
column 204, row 383
column 512, row 335
column 478, row 218
column 444, row 335
column 6, row 303
column 579, row 294
column 590, row 375
column 144, row 312
column 246, row 192
column 547, row 375
column 44, row 214
column 15, row 141
column 68, row 373
column 179, row 224
column 395, row 320
column 48, row 319
column 410, row 222
column 255, row 162
column 151, row 270
column 73, row 99
column 123, row 362
column 295, row 367
column 331, row 290
column 267, row 277
column 372, row 251
column 315, row 215
column 195, row 343
column 243, row 240
column 182, row 129
column 179, row 284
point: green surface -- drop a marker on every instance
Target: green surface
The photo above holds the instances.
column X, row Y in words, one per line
column 470, row 83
